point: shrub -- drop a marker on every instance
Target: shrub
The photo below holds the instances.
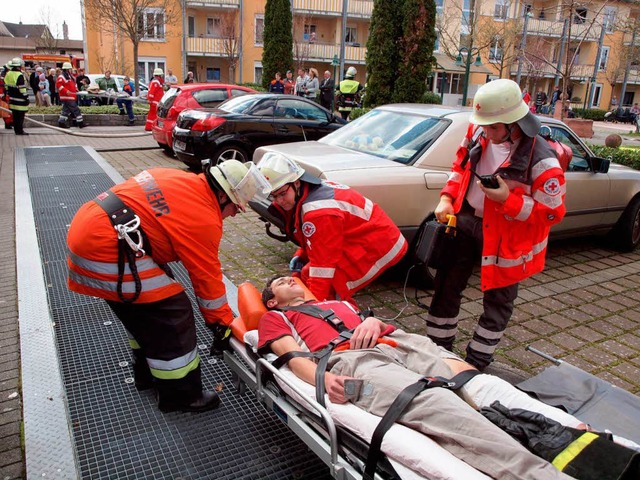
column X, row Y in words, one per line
column 358, row 112
column 590, row 113
column 431, row 97
column 256, row 86
column 624, row 156
column 138, row 109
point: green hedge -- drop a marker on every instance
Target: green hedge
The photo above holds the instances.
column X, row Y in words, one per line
column 138, row 109
column 624, row 156
column 590, row 113
column 256, row 86
column 433, row 98
column 358, row 112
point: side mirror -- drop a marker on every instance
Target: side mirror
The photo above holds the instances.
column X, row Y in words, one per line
column 600, row 165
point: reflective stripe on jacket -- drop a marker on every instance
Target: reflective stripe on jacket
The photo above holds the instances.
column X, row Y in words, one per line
column 515, row 233
column 17, row 90
column 348, row 239
column 181, row 217
column 67, row 88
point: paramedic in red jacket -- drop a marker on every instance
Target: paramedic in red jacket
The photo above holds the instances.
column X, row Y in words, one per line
column 156, row 91
column 68, row 93
column 180, row 215
column 508, row 226
column 345, row 240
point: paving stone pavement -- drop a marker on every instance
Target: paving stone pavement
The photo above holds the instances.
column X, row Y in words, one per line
column 584, row 308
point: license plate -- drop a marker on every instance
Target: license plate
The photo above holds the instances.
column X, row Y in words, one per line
column 179, row 145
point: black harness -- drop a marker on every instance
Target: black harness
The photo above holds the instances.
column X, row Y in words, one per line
column 125, row 222
column 322, row 356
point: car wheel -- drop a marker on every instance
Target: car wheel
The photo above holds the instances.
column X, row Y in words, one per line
column 625, row 235
column 229, row 152
column 166, row 149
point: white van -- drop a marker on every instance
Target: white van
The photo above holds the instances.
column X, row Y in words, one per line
column 119, row 81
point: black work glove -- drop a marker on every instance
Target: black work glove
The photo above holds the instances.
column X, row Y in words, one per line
column 221, row 336
column 541, row 435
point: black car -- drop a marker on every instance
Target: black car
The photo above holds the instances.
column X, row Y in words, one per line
column 242, row 124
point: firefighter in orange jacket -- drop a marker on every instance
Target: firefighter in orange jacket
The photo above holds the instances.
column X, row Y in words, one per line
column 346, row 241
column 68, row 93
column 160, row 216
column 156, row 91
column 506, row 224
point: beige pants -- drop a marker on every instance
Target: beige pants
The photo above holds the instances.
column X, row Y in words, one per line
column 437, row 412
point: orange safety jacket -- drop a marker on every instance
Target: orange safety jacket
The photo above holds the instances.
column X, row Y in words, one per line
column 348, row 240
column 180, row 215
column 515, row 233
column 67, row 88
column 155, row 92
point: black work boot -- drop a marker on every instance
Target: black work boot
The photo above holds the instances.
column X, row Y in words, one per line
column 141, row 373
column 62, row 125
column 186, row 394
column 122, row 112
column 8, row 127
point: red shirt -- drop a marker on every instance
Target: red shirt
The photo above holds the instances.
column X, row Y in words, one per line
column 313, row 332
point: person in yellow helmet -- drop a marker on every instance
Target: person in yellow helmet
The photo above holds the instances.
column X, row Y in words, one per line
column 16, row 85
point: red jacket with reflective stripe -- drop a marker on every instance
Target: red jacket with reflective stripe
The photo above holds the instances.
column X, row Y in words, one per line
column 155, row 91
column 515, row 233
column 348, row 240
column 182, row 219
column 67, row 88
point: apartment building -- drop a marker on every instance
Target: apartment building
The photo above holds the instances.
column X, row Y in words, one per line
column 478, row 40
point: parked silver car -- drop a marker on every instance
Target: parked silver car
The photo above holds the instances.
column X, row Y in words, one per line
column 400, row 156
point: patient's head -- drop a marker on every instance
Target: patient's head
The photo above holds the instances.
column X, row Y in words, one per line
column 282, row 291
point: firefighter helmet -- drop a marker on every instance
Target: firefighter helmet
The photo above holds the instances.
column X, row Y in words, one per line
column 351, row 72
column 500, row 101
column 67, row 66
column 240, row 181
column 16, row 62
column 158, row 71
column 279, row 170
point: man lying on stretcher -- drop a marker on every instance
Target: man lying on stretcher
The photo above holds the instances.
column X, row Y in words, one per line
column 387, row 360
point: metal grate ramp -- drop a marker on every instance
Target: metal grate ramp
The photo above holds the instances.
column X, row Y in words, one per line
column 113, row 430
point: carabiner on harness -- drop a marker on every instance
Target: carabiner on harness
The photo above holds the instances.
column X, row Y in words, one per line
column 124, row 233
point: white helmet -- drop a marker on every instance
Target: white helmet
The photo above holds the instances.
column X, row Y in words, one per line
column 67, row 66
column 279, row 170
column 158, row 71
column 500, row 101
column 16, row 62
column 240, row 181
column 351, row 72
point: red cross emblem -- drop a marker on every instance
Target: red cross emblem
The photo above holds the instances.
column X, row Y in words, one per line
column 478, row 107
column 551, row 186
column 308, row 229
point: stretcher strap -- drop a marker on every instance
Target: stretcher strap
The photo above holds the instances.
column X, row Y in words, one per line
column 313, row 311
column 398, row 407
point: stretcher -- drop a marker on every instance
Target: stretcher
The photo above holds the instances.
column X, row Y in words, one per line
column 339, row 434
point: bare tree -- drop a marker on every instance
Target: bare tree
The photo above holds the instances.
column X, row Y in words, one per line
column 301, row 45
column 230, row 42
column 134, row 20
column 48, row 41
column 503, row 38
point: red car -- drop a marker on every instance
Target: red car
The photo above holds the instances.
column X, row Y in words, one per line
column 193, row 95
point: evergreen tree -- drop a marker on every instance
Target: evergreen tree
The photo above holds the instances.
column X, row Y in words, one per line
column 382, row 51
column 416, row 50
column 277, row 55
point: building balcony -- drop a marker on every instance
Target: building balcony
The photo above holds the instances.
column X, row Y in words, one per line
column 214, row 3
column 207, row 47
column 324, row 52
column 333, row 8
column 628, row 37
column 577, row 71
column 553, row 28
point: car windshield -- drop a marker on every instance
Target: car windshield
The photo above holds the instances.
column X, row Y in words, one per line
column 397, row 136
column 240, row 104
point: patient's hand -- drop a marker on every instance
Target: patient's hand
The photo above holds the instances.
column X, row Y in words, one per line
column 366, row 334
column 334, row 385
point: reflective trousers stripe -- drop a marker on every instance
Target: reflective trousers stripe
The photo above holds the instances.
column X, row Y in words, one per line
column 380, row 264
column 322, row 272
column 482, row 348
column 442, row 328
column 213, row 304
column 176, row 368
column 574, row 449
